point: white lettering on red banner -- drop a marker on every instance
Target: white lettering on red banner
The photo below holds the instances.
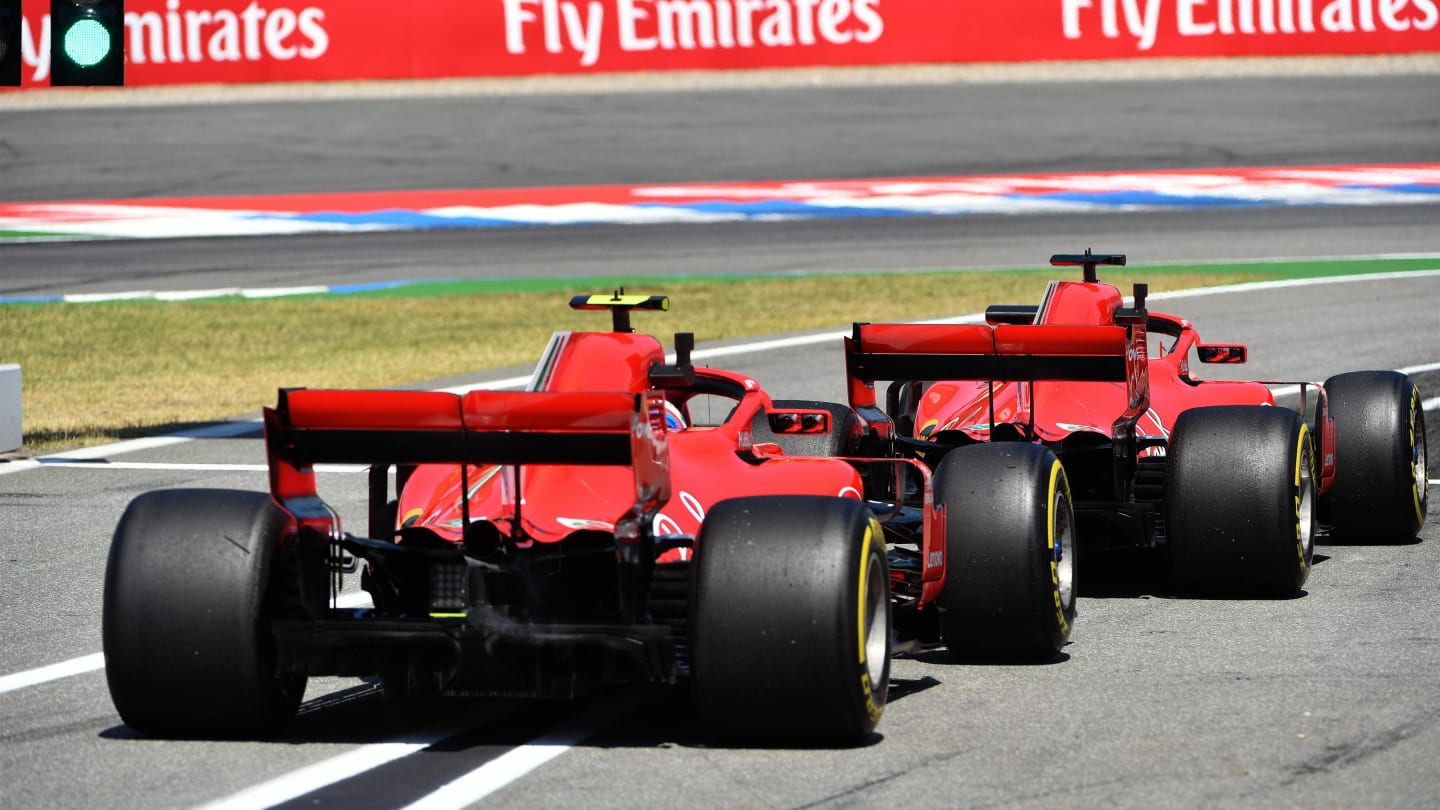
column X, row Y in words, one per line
column 1209, row 18
column 579, row 26
column 235, row 41
column 223, row 35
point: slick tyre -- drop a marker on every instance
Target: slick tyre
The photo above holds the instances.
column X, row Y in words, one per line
column 1382, row 482
column 1010, row 552
column 791, row 621
column 1240, row 511
column 188, row 651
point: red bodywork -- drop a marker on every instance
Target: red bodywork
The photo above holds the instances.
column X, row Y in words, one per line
column 1076, row 374
column 1080, row 319
column 680, row 474
column 555, row 431
column 582, row 468
column 706, row 464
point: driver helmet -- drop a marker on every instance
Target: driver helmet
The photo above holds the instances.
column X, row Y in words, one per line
column 674, row 419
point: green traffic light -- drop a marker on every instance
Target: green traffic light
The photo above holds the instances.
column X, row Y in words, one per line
column 87, row 43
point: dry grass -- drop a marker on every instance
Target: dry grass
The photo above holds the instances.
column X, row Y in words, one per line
column 100, row 372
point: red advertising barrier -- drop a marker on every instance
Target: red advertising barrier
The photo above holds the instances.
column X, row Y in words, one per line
column 231, row 41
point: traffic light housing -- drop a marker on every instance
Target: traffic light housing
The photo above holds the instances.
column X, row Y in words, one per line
column 10, row 22
column 87, row 42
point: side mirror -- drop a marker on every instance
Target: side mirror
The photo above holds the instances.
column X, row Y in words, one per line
column 1221, row 352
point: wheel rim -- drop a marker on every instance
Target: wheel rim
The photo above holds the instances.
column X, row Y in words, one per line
column 1421, row 471
column 876, row 623
column 1305, row 507
column 1064, row 550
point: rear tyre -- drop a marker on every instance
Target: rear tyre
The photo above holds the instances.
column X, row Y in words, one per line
column 791, row 620
column 188, row 650
column 1010, row 552
column 1382, row 480
column 1240, row 505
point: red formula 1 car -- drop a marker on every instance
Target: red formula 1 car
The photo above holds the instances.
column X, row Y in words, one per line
column 593, row 529
column 1231, row 489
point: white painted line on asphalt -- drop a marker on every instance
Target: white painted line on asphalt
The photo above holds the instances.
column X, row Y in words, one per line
column 224, row 430
column 493, row 385
column 178, row 466
column 329, row 771
column 459, row 793
column 53, row 672
column 94, row 661
column 1254, row 286
column 511, row 766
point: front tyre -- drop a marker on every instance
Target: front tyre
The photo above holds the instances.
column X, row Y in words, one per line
column 1010, row 552
column 1240, row 510
column 1382, row 480
column 791, row 620
column 188, row 650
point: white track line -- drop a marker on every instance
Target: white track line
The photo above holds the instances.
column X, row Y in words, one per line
column 96, row 661
column 1254, row 286
column 329, row 771
column 188, row 467
column 54, row 672
column 224, row 430
column 507, row 768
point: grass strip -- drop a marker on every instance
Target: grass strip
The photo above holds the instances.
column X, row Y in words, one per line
column 1288, row 269
column 99, row 372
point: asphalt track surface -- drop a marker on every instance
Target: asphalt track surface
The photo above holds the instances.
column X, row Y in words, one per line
column 1326, row 700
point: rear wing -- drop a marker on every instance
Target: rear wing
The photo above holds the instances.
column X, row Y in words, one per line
column 406, row 428
column 1005, row 352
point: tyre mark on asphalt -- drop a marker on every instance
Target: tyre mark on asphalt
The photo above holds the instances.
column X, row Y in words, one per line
column 856, row 794
column 1342, row 755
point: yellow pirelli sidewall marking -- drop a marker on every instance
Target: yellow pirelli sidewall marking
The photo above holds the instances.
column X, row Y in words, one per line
column 1056, row 470
column 872, row 531
column 875, row 533
column 1300, row 459
column 1418, row 479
